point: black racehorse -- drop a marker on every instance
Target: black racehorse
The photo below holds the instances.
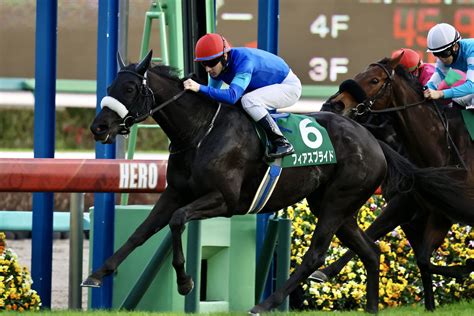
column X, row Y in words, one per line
column 385, row 93
column 215, row 167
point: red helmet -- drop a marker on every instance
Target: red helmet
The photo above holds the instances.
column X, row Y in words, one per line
column 411, row 60
column 211, row 46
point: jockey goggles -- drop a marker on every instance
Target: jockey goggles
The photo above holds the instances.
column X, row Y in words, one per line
column 210, row 63
column 444, row 53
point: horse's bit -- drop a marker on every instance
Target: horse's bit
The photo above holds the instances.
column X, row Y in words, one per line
column 366, row 107
column 146, row 92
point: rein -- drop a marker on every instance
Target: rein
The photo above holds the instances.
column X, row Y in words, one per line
column 146, row 92
column 367, row 108
column 397, row 108
column 159, row 107
column 366, row 105
column 209, row 130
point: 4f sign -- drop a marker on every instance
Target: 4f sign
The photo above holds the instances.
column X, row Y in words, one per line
column 138, row 175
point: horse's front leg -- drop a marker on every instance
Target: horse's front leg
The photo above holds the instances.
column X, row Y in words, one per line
column 158, row 218
column 207, row 206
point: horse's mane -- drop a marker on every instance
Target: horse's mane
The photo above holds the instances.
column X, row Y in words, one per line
column 173, row 74
column 166, row 71
column 407, row 76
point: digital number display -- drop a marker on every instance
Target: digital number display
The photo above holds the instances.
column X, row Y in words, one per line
column 326, row 42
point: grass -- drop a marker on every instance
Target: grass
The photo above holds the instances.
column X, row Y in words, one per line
column 458, row 309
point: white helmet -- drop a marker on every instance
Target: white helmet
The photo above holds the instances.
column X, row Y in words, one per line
column 441, row 37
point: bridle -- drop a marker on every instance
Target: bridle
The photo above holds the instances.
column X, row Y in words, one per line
column 366, row 106
column 145, row 91
column 149, row 96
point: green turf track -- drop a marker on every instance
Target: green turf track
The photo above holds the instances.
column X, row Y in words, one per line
column 458, row 309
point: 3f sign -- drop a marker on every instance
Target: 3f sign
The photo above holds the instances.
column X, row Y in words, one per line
column 320, row 69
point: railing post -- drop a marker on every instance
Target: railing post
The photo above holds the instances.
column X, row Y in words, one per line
column 76, row 240
column 283, row 257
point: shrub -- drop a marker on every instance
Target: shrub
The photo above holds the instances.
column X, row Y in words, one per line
column 400, row 282
column 15, row 283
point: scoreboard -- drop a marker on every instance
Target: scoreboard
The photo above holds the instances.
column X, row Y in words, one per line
column 328, row 41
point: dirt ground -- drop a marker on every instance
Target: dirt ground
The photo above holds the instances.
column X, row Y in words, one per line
column 60, row 276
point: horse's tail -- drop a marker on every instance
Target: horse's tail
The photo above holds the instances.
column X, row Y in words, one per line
column 436, row 187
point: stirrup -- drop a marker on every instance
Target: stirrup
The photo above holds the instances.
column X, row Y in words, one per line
column 281, row 151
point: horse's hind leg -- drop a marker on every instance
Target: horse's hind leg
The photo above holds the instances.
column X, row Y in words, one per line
column 425, row 235
column 332, row 216
column 358, row 241
column 210, row 205
column 156, row 220
column 397, row 211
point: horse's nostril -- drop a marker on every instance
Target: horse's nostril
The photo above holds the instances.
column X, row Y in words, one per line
column 339, row 106
column 99, row 129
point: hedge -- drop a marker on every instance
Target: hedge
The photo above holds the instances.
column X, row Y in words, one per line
column 72, row 131
column 400, row 282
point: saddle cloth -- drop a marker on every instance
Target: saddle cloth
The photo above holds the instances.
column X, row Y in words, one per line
column 468, row 117
column 312, row 147
column 310, row 140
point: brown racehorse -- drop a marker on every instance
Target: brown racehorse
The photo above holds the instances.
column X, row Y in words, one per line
column 432, row 136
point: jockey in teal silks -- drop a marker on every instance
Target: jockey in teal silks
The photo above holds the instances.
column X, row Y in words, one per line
column 452, row 52
column 263, row 81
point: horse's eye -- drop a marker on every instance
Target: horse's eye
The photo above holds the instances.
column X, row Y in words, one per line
column 130, row 90
column 375, row 81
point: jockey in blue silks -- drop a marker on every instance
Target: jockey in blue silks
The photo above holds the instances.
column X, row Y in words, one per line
column 263, row 81
column 445, row 42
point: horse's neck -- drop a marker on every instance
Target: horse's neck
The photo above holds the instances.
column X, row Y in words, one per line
column 424, row 135
column 186, row 120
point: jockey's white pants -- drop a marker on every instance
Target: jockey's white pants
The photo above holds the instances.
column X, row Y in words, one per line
column 277, row 96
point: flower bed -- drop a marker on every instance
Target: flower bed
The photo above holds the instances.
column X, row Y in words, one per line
column 400, row 282
column 15, row 282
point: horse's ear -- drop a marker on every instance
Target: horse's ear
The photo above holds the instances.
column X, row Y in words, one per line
column 396, row 60
column 142, row 67
column 120, row 61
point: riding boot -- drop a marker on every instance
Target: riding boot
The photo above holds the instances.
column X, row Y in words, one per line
column 280, row 145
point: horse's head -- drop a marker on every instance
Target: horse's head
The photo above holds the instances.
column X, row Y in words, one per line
column 128, row 101
column 370, row 89
column 132, row 96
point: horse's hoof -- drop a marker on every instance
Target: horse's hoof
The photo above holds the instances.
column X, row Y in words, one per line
column 187, row 286
column 318, row 276
column 91, row 282
column 256, row 310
